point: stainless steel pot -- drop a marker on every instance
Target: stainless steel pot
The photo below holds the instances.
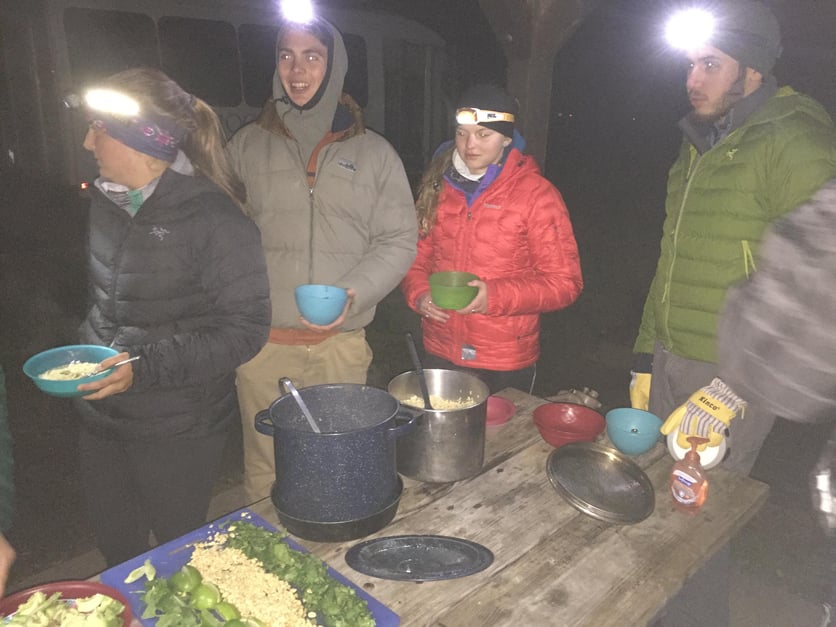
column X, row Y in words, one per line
column 446, row 444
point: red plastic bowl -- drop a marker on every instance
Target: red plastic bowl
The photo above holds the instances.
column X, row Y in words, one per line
column 558, row 438
column 69, row 590
column 499, row 410
column 561, row 423
column 569, row 417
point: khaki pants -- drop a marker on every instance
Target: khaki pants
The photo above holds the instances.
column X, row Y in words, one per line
column 342, row 358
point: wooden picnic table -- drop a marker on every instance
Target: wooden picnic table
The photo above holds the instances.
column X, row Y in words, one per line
column 553, row 564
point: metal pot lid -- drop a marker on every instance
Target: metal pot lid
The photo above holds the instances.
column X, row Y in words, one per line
column 601, row 482
column 418, row 557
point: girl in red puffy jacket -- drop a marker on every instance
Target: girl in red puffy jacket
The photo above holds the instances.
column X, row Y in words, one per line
column 483, row 207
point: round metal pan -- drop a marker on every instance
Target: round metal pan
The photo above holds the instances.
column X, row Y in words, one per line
column 419, row 557
column 601, row 482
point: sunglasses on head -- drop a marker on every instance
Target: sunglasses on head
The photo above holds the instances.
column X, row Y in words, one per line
column 471, row 115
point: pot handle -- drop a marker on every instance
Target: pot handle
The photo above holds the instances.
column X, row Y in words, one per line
column 264, row 423
column 405, row 421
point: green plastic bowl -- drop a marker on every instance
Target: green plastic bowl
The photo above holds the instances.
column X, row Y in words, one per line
column 55, row 357
column 449, row 290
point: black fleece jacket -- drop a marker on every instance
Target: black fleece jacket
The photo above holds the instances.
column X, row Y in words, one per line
column 184, row 285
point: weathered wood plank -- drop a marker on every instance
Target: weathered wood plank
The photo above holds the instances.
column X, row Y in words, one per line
column 590, row 573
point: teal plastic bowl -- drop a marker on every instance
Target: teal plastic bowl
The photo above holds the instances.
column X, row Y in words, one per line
column 633, row 431
column 450, row 290
column 55, row 357
column 320, row 304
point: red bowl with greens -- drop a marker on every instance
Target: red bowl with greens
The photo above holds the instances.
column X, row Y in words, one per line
column 71, row 591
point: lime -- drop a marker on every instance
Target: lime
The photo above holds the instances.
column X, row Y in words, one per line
column 206, row 596
column 227, row 611
column 186, row 579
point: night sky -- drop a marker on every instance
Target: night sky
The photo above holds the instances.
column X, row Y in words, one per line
column 615, row 83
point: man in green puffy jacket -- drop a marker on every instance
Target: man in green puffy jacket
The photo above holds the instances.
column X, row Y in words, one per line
column 751, row 153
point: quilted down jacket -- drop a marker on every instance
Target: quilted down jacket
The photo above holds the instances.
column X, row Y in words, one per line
column 183, row 284
column 517, row 237
column 333, row 207
column 718, row 206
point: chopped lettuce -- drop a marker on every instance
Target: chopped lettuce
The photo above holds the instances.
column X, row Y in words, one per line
column 41, row 610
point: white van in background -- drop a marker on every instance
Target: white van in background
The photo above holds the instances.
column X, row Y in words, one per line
column 220, row 50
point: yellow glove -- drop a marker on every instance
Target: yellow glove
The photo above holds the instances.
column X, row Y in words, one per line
column 640, row 390
column 705, row 414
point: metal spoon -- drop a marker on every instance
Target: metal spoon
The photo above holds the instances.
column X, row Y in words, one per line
column 288, row 385
column 416, row 362
column 99, row 369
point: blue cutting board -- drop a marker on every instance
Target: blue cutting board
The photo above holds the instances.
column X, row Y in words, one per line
column 170, row 557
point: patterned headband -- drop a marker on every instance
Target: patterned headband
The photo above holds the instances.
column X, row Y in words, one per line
column 151, row 134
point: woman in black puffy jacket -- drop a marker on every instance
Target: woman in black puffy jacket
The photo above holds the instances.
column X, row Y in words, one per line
column 178, row 279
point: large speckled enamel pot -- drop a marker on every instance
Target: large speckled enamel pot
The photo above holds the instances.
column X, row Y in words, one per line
column 348, row 471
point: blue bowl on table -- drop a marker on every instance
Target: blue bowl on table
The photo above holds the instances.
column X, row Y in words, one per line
column 633, row 431
column 36, row 365
column 320, row 304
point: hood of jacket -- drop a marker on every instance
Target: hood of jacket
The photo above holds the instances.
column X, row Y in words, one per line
column 309, row 126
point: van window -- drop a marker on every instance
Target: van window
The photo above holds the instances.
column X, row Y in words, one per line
column 101, row 43
column 202, row 57
column 257, row 43
column 357, row 77
column 404, row 64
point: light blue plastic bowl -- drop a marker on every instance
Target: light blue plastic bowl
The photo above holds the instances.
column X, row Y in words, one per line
column 54, row 357
column 320, row 304
column 633, row 431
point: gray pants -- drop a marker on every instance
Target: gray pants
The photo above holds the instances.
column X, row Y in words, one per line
column 676, row 378
column 704, row 598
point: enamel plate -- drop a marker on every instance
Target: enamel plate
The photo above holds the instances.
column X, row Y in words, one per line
column 418, row 557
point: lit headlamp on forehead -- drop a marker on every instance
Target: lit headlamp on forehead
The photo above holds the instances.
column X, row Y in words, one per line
column 471, row 115
column 111, row 102
column 298, row 11
column 690, row 28
column 121, row 117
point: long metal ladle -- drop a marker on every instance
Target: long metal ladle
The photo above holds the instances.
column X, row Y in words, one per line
column 288, row 385
column 419, row 369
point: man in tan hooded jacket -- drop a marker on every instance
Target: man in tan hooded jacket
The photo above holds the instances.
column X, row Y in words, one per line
column 334, row 207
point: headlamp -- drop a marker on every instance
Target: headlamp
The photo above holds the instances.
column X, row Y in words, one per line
column 690, row 28
column 111, row 102
column 471, row 115
column 120, row 117
column 298, row 11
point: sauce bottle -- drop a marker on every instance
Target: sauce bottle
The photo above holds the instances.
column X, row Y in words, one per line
column 689, row 483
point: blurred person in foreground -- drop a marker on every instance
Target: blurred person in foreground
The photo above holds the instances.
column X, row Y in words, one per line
column 334, row 206
column 751, row 153
column 178, row 278
column 483, row 207
column 7, row 487
column 777, row 331
column 776, row 340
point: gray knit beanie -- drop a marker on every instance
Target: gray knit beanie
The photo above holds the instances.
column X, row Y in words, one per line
column 748, row 32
